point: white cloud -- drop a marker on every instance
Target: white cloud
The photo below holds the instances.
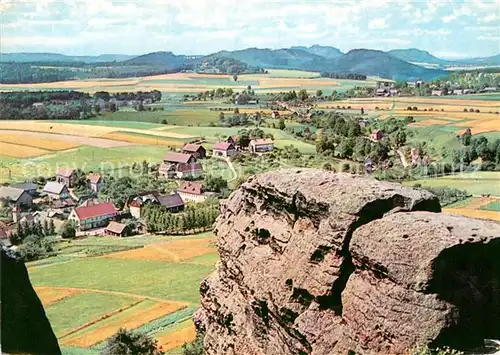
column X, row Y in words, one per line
column 377, row 24
column 449, row 18
column 449, row 54
column 489, row 38
column 491, row 18
column 398, row 41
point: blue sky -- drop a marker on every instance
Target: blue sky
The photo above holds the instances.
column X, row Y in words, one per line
column 446, row 28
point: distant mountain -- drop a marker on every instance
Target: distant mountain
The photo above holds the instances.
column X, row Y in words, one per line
column 166, row 60
column 384, row 65
column 323, row 51
column 56, row 57
column 417, row 56
column 493, row 60
column 287, row 58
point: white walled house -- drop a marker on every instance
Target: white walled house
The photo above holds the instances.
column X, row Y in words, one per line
column 261, row 145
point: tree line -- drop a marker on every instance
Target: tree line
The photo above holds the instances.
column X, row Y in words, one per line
column 195, row 218
column 349, row 76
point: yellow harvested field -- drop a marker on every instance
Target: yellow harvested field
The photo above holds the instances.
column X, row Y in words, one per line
column 442, row 101
column 474, row 213
column 458, row 107
column 55, row 145
column 20, row 151
column 478, row 126
column 60, row 128
column 49, row 295
column 82, row 130
column 430, row 122
column 185, row 333
column 142, row 140
column 292, row 82
column 175, row 251
column 133, row 321
column 78, row 84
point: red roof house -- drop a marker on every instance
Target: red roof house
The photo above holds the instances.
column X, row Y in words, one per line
column 178, row 158
column 93, row 216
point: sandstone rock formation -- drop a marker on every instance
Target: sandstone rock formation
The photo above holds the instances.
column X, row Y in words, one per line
column 322, row 263
column 25, row 328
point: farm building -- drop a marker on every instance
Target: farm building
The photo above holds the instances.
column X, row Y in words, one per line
column 437, row 93
column 224, row 149
column 167, row 170
column 29, row 187
column 189, row 171
column 56, row 190
column 192, row 192
column 173, row 203
column 261, row 145
column 117, row 229
column 179, row 158
column 94, row 216
column 196, row 150
column 18, row 197
column 275, row 114
column 458, row 92
column 66, row 176
column 376, row 135
column 96, row 182
column 382, row 92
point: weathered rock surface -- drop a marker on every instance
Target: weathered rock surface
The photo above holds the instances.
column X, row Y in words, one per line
column 321, row 263
column 25, row 328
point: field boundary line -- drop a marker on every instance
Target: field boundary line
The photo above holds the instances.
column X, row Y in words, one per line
column 106, row 316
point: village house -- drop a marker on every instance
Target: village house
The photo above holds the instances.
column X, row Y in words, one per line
column 173, row 203
column 196, row 150
column 66, row 176
column 56, row 191
column 394, row 92
column 275, row 114
column 382, row 92
column 29, row 187
column 458, row 92
column 192, row 192
column 171, row 161
column 437, row 93
column 224, row 149
column 239, row 100
column 376, row 135
column 189, row 171
column 490, row 89
column 137, row 204
column 18, row 197
column 94, row 216
column 179, row 158
column 233, row 139
column 261, row 145
column 96, row 182
column 116, row 229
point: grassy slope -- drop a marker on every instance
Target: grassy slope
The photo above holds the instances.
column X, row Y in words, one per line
column 84, row 308
column 177, row 282
column 476, row 183
column 85, row 158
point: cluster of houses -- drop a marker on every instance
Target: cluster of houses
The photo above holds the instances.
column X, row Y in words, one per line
column 459, row 91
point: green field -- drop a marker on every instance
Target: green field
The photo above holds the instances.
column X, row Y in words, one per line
column 492, row 206
column 110, row 284
column 84, row 307
column 111, row 160
column 476, row 183
column 186, row 117
column 134, row 121
column 175, row 282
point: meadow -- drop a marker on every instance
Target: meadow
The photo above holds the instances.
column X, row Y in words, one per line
column 153, row 287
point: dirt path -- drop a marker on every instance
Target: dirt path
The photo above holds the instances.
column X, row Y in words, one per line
column 233, row 170
column 403, row 158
